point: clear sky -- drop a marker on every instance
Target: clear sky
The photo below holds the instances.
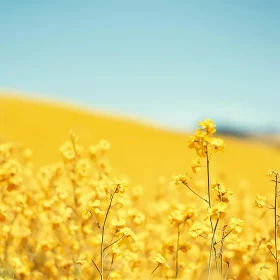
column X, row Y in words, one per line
column 171, row 62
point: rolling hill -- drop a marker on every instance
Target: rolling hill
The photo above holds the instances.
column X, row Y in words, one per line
column 140, row 152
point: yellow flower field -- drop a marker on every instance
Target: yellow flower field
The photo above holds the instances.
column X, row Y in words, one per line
column 91, row 196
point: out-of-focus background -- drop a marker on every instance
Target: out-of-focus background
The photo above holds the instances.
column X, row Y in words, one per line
column 169, row 63
column 141, row 74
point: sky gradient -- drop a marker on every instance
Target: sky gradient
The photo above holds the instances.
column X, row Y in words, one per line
column 168, row 62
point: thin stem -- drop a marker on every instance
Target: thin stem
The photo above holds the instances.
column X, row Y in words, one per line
column 253, row 257
column 275, row 225
column 227, row 271
column 177, row 252
column 98, row 225
column 272, row 254
column 211, row 248
column 208, row 178
column 221, row 250
column 209, row 204
column 196, row 194
column 204, row 237
column 113, row 243
column 155, row 269
column 111, row 266
column 96, row 267
column 223, row 238
column 103, row 235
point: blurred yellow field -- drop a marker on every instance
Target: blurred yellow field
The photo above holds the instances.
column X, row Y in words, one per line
column 56, row 209
column 136, row 148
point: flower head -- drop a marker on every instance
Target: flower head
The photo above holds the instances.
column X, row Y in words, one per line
column 181, row 179
column 236, row 225
column 161, row 261
column 260, row 201
column 218, row 211
column 196, row 229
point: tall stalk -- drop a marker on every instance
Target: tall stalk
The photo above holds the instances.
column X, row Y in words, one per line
column 103, row 236
column 276, row 225
column 212, row 247
column 177, row 252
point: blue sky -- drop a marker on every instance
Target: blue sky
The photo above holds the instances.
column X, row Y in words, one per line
column 168, row 62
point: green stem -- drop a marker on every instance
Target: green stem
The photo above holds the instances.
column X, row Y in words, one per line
column 211, row 249
column 276, row 225
column 208, row 179
column 187, row 185
column 209, row 204
column 226, row 276
column 103, row 235
column 177, row 251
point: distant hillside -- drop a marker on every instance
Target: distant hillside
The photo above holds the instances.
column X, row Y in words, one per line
column 140, row 152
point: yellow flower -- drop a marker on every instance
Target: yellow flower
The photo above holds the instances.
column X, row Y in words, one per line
column 93, row 150
column 208, row 126
column 104, row 145
column 161, row 261
column 83, row 168
column 201, row 141
column 236, row 225
column 70, row 149
column 136, row 216
column 196, row 229
column 94, row 207
column 216, row 145
column 218, row 211
column 117, row 187
column 128, row 237
column 196, row 165
column 176, row 217
column 118, row 224
column 80, row 261
column 223, row 193
column 260, row 201
column 116, row 250
column 185, row 247
column 271, row 173
column 181, row 179
column 128, row 233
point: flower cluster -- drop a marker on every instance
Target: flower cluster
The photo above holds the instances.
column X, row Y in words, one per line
column 74, row 220
column 203, row 142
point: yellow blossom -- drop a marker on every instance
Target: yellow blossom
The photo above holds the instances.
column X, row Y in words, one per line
column 161, row 261
column 185, row 247
column 209, row 126
column 223, row 193
column 136, row 216
column 94, row 207
column 80, row 261
column 128, row 236
column 260, row 201
column 118, row 224
column 181, row 179
column 116, row 251
column 218, row 211
column 104, row 145
column 196, row 229
column 271, row 173
column 236, row 225
column 196, row 165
